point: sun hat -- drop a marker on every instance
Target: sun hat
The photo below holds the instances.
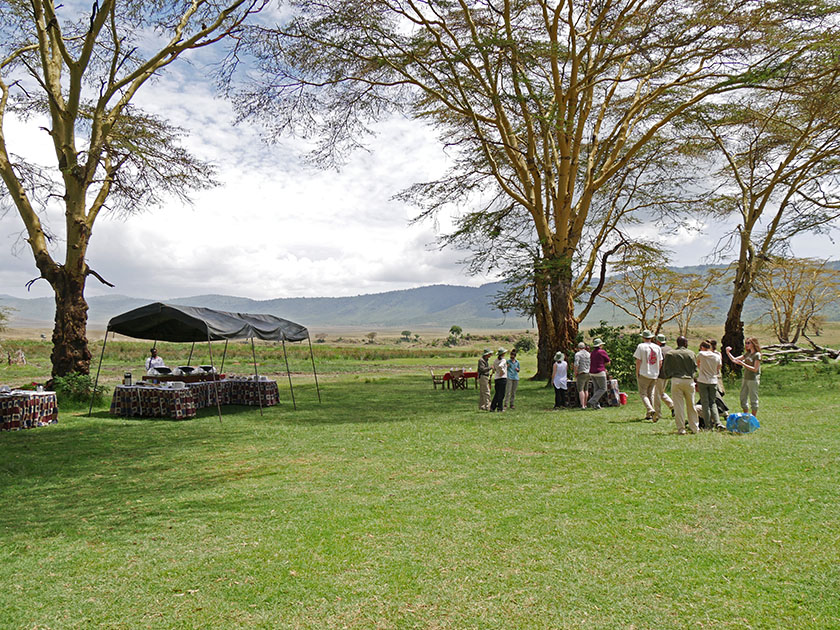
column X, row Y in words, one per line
column 558, row 356
column 501, row 350
column 597, row 343
column 646, row 334
column 661, row 338
column 486, row 352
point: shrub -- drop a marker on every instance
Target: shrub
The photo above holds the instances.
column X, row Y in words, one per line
column 451, row 340
column 620, row 346
column 524, row 344
column 77, row 388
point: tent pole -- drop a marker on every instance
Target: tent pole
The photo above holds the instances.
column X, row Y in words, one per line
column 96, row 382
column 312, row 356
column 256, row 375
column 189, row 361
column 224, row 354
column 288, row 373
column 215, row 379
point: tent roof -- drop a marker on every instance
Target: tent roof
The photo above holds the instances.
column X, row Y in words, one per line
column 168, row 322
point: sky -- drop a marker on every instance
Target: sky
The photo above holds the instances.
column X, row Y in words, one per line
column 276, row 226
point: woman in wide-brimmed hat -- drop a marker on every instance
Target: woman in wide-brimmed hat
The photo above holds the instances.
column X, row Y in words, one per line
column 559, row 378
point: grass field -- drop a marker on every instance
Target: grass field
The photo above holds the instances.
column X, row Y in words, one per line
column 390, row 505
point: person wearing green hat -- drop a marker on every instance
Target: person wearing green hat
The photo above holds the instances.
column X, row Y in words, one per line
column 484, row 371
column 648, row 356
column 499, row 381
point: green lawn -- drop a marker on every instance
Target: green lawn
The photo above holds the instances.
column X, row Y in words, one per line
column 391, row 505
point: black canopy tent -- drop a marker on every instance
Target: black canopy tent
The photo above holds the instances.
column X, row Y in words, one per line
column 168, row 322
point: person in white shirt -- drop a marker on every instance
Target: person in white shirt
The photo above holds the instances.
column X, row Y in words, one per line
column 708, row 370
column 499, row 382
column 648, row 357
column 154, row 360
column 559, row 378
column 581, row 367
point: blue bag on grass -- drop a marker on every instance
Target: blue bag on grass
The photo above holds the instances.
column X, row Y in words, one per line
column 742, row 423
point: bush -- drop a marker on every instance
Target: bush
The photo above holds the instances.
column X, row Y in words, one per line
column 620, row 346
column 77, row 388
column 524, row 344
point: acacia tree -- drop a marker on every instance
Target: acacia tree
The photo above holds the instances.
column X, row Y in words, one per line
column 779, row 172
column 796, row 290
column 541, row 103
column 80, row 71
column 703, row 307
column 648, row 291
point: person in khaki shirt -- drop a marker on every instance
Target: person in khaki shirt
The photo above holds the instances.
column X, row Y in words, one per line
column 680, row 365
column 484, row 370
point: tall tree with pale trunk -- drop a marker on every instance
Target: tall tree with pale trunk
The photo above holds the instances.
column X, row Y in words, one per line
column 777, row 148
column 541, row 104
column 74, row 71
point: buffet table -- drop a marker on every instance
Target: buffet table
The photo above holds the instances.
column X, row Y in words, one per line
column 180, row 404
column 21, row 409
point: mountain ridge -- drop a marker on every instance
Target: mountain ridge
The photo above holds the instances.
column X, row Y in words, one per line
column 430, row 306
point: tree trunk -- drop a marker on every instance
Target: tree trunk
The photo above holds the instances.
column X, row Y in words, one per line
column 557, row 325
column 70, row 345
column 733, row 330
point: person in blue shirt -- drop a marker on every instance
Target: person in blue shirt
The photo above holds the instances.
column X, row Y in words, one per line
column 512, row 379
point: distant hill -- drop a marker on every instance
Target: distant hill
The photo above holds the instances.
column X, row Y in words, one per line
column 435, row 306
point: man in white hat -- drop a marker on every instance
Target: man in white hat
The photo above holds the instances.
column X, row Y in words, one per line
column 648, row 357
column 581, row 370
column 484, row 380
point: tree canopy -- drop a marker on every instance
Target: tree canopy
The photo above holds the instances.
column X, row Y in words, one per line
column 549, row 109
column 74, row 71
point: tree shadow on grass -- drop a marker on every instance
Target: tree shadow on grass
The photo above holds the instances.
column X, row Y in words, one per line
column 126, row 472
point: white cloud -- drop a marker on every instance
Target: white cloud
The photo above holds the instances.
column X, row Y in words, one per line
column 275, row 227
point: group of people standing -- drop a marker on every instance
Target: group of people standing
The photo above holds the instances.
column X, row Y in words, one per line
column 656, row 363
column 505, row 374
column 587, row 366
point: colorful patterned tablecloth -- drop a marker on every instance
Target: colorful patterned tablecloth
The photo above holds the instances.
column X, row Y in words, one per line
column 27, row 410
column 245, row 392
column 153, row 402
column 180, row 404
column 205, row 393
